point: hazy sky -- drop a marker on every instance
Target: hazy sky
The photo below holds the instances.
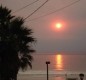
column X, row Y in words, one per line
column 70, row 38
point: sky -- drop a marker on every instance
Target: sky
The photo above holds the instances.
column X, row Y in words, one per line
column 70, row 38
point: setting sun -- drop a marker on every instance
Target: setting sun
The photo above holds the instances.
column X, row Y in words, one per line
column 58, row 25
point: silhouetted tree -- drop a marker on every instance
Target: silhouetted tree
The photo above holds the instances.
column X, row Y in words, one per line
column 81, row 75
column 15, row 45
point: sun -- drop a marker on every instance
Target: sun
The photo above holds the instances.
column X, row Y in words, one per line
column 58, row 25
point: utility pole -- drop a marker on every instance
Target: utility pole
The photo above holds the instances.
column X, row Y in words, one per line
column 47, row 62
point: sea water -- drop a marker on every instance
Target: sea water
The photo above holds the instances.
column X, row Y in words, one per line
column 60, row 67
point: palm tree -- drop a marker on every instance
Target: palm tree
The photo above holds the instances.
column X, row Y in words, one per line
column 15, row 45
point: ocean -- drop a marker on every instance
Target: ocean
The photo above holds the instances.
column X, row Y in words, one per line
column 60, row 68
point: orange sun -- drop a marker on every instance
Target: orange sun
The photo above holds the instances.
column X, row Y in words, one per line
column 58, row 25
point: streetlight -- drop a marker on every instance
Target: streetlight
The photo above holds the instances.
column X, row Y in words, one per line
column 47, row 62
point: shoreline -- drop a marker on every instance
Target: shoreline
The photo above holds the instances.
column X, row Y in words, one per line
column 53, row 72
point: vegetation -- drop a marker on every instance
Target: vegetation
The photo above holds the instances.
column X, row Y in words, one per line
column 15, row 45
column 81, row 75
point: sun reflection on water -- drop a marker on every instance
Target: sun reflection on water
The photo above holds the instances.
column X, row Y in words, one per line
column 59, row 62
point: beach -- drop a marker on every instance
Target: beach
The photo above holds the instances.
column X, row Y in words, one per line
column 58, row 76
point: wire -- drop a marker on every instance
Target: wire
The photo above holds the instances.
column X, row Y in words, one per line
column 36, row 9
column 25, row 6
column 55, row 11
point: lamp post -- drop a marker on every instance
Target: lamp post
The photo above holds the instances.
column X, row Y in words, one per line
column 47, row 62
